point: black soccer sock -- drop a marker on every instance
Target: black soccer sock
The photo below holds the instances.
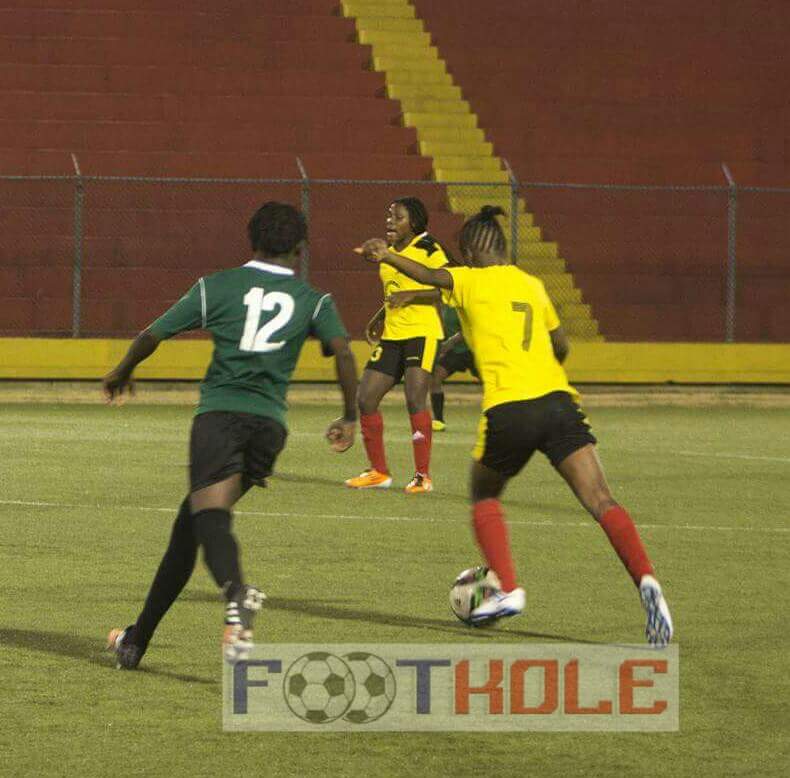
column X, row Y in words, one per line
column 220, row 550
column 174, row 571
column 437, row 403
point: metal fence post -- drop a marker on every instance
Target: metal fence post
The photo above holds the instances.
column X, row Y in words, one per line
column 304, row 263
column 513, row 211
column 76, row 272
column 732, row 256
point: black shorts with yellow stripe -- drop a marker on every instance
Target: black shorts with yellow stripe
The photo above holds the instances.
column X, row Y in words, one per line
column 510, row 433
column 394, row 357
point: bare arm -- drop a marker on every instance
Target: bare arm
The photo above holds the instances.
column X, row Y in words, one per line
column 341, row 431
column 119, row 378
column 375, row 250
column 414, row 297
column 559, row 344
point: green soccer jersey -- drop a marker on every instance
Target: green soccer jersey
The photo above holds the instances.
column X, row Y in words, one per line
column 452, row 324
column 259, row 316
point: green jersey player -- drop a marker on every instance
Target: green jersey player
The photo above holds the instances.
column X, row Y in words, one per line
column 259, row 316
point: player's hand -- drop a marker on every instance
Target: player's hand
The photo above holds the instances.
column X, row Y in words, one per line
column 400, row 299
column 374, row 250
column 115, row 383
column 341, row 435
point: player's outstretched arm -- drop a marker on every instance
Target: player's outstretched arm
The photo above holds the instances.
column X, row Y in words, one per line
column 406, row 297
column 120, row 377
column 376, row 250
column 341, row 431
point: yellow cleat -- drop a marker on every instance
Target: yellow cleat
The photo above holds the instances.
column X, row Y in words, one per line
column 419, row 484
column 438, row 426
column 370, row 479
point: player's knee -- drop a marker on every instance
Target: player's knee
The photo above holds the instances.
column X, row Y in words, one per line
column 416, row 398
column 210, row 523
column 366, row 402
column 600, row 503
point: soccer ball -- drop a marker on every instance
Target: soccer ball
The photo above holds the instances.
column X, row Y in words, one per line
column 319, row 687
column 375, row 684
column 470, row 588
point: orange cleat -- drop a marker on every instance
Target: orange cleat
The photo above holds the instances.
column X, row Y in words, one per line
column 419, row 484
column 370, row 479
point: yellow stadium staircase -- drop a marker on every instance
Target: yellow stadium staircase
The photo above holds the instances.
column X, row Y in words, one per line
column 447, row 130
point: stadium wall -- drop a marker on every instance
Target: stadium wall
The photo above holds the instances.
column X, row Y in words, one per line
column 617, row 363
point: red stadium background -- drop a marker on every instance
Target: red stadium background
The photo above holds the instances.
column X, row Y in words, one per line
column 626, row 93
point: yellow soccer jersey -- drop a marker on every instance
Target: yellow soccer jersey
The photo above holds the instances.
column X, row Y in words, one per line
column 506, row 317
column 412, row 321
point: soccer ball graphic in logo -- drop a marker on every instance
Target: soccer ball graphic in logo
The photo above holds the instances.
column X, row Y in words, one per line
column 319, row 687
column 470, row 588
column 375, row 687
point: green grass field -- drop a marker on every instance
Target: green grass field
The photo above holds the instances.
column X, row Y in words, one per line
column 89, row 493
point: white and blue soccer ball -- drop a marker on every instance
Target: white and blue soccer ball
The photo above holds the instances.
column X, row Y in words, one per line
column 470, row 588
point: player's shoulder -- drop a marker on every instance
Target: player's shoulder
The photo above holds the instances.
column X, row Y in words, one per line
column 428, row 245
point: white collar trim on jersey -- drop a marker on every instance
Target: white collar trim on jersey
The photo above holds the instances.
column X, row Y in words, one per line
column 267, row 268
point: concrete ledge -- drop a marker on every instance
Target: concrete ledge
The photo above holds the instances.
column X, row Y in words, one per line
column 616, row 363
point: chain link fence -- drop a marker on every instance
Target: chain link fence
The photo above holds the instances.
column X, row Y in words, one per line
column 103, row 256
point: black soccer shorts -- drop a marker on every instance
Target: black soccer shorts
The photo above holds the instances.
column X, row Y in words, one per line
column 458, row 362
column 224, row 443
column 393, row 357
column 510, row 433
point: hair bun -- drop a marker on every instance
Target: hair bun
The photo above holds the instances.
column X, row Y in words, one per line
column 488, row 212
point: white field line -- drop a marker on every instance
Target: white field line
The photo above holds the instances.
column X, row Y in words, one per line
column 423, row 519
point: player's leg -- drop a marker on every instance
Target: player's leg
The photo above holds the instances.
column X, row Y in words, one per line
column 420, row 357
column 171, row 577
column 211, row 519
column 584, row 473
column 499, row 454
column 380, row 375
column 440, row 375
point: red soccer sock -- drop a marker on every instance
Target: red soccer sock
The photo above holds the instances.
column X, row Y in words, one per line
column 624, row 537
column 421, row 440
column 373, row 436
column 488, row 521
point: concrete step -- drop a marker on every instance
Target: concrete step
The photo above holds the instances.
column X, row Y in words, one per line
column 432, row 105
column 420, row 90
column 576, row 311
column 409, row 40
column 398, row 63
column 469, row 200
column 390, row 24
column 470, row 175
column 459, row 120
column 447, row 150
column 412, row 53
column 450, row 134
column 542, row 250
column 405, row 77
column 539, row 267
column 479, row 162
column 378, row 8
column 582, row 330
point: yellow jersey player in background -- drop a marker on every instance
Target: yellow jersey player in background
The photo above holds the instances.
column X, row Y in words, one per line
column 511, row 326
column 405, row 333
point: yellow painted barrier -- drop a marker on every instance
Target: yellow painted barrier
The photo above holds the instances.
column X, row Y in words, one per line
column 617, row 363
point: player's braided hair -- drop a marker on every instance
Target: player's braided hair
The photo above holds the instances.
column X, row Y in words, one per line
column 482, row 232
column 276, row 229
column 418, row 213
